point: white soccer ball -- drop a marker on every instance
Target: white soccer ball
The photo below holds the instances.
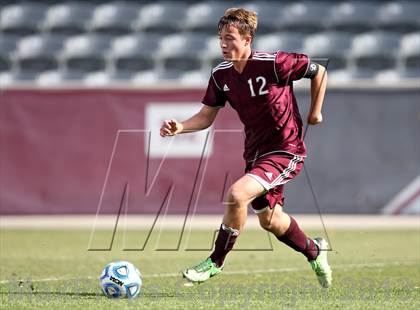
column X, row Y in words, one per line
column 120, row 280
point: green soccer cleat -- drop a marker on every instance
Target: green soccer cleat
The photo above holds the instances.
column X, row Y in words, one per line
column 320, row 264
column 202, row 272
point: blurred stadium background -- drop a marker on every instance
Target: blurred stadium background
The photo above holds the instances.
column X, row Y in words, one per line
column 49, row 43
column 80, row 81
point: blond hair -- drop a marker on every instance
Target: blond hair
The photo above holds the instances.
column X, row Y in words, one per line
column 245, row 21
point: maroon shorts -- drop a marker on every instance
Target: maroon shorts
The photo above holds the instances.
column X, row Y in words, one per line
column 272, row 171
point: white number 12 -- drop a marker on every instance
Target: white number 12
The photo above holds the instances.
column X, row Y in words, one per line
column 261, row 91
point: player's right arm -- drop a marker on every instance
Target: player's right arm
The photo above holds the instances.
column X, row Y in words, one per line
column 213, row 100
column 202, row 120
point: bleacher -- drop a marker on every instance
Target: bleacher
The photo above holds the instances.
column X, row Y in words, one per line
column 146, row 42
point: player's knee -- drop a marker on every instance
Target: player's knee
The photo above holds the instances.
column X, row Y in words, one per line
column 265, row 223
column 237, row 195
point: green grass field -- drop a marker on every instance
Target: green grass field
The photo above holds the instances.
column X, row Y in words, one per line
column 54, row 270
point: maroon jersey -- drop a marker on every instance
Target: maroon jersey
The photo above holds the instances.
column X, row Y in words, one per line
column 263, row 97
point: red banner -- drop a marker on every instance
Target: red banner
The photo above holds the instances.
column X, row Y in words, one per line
column 88, row 151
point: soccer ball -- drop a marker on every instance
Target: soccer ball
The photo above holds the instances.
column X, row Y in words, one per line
column 120, row 279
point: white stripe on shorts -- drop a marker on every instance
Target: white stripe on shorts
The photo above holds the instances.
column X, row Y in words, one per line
column 282, row 178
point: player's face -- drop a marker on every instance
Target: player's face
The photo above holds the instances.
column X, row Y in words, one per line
column 234, row 46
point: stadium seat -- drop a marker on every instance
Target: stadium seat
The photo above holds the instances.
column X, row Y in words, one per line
column 183, row 51
column 374, row 51
column 6, row 79
column 99, row 78
column 114, row 18
column 204, row 16
column 212, row 55
column 328, row 47
column 134, row 52
column 284, row 41
column 161, row 17
column 9, row 78
column 149, row 77
column 345, row 76
column 307, row 17
column 409, row 53
column 85, row 53
column 103, row 78
column 68, row 18
column 7, row 47
column 403, row 16
column 155, row 77
column 197, row 78
column 394, row 76
column 38, row 52
column 352, row 16
column 22, row 18
column 58, row 77
column 268, row 15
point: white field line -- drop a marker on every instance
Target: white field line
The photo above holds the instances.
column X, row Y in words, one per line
column 204, row 222
column 231, row 272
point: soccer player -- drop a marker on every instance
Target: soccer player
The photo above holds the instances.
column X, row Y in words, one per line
column 259, row 86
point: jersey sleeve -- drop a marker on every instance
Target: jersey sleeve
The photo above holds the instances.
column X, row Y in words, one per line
column 214, row 96
column 290, row 66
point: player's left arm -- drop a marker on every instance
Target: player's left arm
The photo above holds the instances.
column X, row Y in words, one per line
column 318, row 75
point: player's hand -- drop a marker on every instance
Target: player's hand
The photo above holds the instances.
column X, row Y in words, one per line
column 314, row 119
column 170, row 128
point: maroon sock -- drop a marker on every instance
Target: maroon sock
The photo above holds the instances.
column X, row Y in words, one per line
column 224, row 243
column 297, row 240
